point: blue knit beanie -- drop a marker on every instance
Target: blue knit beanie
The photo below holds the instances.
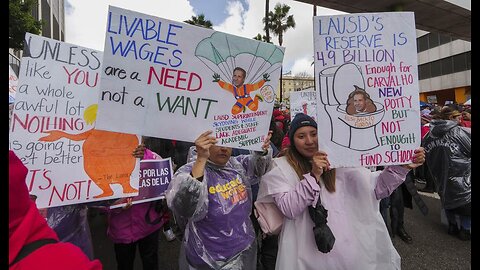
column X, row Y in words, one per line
column 300, row 120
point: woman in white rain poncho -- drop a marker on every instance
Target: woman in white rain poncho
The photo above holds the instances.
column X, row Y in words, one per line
column 350, row 195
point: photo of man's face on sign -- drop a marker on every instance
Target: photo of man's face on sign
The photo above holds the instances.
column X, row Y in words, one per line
column 359, row 101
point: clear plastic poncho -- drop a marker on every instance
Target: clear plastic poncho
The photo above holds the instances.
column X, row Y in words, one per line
column 218, row 233
column 70, row 222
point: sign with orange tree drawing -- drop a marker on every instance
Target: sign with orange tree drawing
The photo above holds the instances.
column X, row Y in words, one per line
column 53, row 128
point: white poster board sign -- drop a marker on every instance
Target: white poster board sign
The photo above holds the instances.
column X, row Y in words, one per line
column 53, row 128
column 367, row 88
column 303, row 102
column 173, row 80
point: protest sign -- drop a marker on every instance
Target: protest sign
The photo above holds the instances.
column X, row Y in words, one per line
column 155, row 175
column 367, row 88
column 159, row 73
column 12, row 85
column 53, row 128
column 303, row 102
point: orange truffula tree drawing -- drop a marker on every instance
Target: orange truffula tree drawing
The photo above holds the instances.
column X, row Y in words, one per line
column 107, row 155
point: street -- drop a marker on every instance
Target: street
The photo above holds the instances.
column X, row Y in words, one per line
column 432, row 247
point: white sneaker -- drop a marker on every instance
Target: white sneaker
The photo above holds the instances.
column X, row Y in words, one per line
column 169, row 235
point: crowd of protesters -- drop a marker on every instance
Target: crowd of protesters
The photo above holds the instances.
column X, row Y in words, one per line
column 219, row 233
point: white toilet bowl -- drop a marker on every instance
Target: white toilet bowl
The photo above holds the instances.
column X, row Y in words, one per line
column 357, row 131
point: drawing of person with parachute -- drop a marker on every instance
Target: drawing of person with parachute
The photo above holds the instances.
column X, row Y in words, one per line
column 242, row 91
column 224, row 54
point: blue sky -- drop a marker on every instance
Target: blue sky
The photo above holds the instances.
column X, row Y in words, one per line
column 85, row 22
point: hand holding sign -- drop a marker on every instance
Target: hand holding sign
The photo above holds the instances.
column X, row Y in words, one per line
column 139, row 151
column 129, row 203
column 320, row 164
column 266, row 142
column 203, row 144
column 418, row 159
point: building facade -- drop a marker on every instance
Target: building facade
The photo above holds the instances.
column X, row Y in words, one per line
column 444, row 68
column 292, row 83
column 52, row 15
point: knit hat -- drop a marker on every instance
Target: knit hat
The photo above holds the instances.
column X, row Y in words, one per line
column 300, row 120
column 426, row 118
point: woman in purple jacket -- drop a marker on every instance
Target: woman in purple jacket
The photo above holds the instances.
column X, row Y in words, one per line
column 128, row 228
column 213, row 195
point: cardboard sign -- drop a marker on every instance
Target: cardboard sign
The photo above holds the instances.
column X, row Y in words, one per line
column 53, row 128
column 159, row 73
column 303, row 102
column 155, row 175
column 367, row 88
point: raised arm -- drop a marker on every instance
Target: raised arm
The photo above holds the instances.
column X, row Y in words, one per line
column 393, row 176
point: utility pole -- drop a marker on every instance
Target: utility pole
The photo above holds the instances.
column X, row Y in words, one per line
column 281, row 84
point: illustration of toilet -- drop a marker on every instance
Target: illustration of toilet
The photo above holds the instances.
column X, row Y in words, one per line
column 356, row 131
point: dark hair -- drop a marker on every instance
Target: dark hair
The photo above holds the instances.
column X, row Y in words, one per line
column 277, row 135
column 242, row 70
column 302, row 165
column 163, row 147
column 447, row 112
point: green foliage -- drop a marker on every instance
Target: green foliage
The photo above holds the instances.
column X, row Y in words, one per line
column 279, row 21
column 20, row 21
column 200, row 21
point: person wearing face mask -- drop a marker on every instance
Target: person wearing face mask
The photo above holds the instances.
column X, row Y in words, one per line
column 212, row 197
column 345, row 230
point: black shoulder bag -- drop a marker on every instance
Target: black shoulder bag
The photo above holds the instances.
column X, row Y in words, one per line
column 324, row 237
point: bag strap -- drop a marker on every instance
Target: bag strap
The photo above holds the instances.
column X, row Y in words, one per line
column 412, row 189
column 318, row 213
column 31, row 247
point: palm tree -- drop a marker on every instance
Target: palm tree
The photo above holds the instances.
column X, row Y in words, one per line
column 200, row 21
column 279, row 22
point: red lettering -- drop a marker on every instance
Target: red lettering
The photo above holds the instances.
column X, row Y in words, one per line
column 32, row 179
column 154, row 73
column 199, row 81
column 49, row 180
column 173, row 78
column 180, row 79
column 168, row 76
column 55, row 191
